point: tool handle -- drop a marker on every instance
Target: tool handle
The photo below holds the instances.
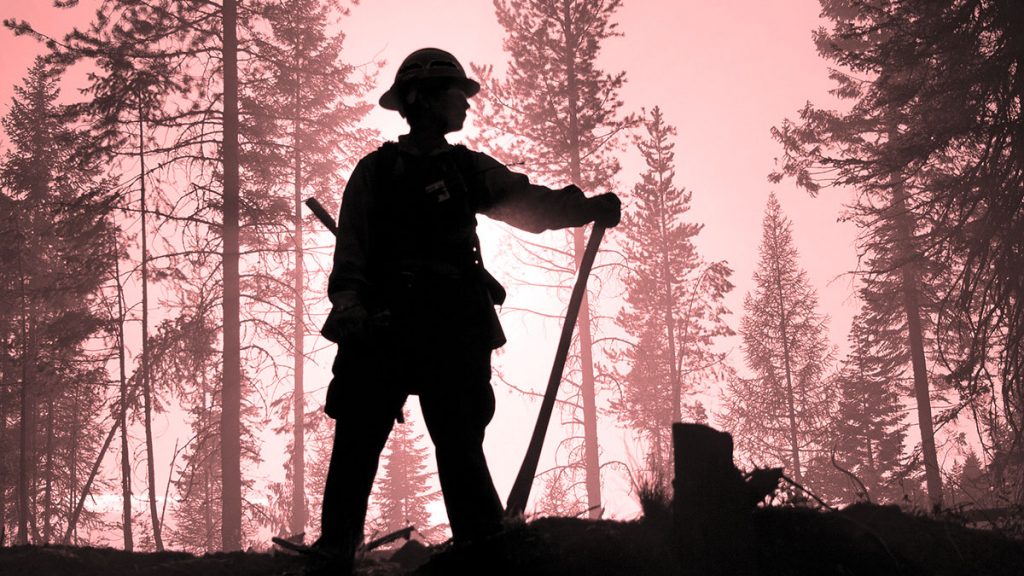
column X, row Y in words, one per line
column 520, row 493
column 321, row 214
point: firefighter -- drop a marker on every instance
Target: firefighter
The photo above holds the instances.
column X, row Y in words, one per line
column 413, row 306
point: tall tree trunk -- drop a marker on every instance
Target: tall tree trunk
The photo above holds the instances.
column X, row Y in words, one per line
column 794, row 444
column 48, row 473
column 591, row 455
column 73, row 458
column 73, row 521
column 231, row 391
column 208, row 519
column 590, row 444
column 147, row 388
column 915, row 335
column 25, row 459
column 4, row 387
column 670, row 321
column 298, row 516
column 122, row 417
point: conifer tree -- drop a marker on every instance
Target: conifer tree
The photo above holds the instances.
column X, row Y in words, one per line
column 185, row 351
column 128, row 98
column 868, row 434
column 673, row 301
column 928, row 137
column 59, row 205
column 302, row 106
column 404, row 487
column 900, row 303
column 562, row 114
column 200, row 41
column 971, row 483
column 782, row 413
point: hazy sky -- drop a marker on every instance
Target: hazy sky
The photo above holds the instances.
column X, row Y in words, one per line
column 723, row 73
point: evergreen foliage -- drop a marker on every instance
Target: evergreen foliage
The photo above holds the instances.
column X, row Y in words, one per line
column 868, row 431
column 782, row 413
column 674, row 305
column 302, row 104
column 932, row 121
column 560, row 115
column 55, row 261
column 404, row 489
column 159, row 105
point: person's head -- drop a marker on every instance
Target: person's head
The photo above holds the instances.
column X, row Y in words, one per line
column 431, row 91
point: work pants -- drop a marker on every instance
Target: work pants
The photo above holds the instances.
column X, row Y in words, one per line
column 457, row 403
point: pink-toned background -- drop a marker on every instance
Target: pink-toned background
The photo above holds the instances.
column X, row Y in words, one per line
column 723, row 73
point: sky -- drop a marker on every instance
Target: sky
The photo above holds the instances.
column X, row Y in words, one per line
column 723, row 74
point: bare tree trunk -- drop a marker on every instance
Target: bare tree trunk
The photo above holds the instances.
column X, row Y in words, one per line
column 590, row 444
column 73, row 521
column 298, row 516
column 794, row 444
column 231, row 391
column 147, row 388
column 73, row 459
column 48, row 472
column 915, row 335
column 4, row 387
column 208, row 519
column 25, row 459
column 592, row 463
column 126, row 468
column 670, row 332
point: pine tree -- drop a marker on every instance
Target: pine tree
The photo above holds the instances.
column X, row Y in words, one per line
column 186, row 354
column 556, row 500
column 128, row 99
column 404, row 490
column 59, row 205
column 200, row 43
column 561, row 112
column 901, row 305
column 929, row 136
column 971, row 482
column 868, row 435
column 673, row 301
column 782, row 412
column 303, row 107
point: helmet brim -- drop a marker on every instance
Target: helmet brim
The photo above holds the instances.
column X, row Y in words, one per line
column 392, row 99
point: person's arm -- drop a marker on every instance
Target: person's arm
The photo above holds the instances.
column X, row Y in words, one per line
column 353, row 244
column 348, row 280
column 513, row 199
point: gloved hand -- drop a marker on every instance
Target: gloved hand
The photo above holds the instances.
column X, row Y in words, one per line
column 345, row 322
column 347, row 317
column 605, row 209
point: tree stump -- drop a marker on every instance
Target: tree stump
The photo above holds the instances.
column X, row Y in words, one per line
column 710, row 507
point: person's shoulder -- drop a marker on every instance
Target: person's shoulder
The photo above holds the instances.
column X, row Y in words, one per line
column 478, row 159
column 382, row 153
column 386, row 149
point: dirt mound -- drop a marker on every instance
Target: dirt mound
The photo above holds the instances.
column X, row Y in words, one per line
column 862, row 539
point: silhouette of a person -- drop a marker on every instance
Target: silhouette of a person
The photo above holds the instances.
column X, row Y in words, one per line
column 413, row 306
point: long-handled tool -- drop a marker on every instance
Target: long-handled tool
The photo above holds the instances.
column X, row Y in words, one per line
column 520, row 493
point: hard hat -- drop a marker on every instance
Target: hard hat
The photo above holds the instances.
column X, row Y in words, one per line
column 427, row 64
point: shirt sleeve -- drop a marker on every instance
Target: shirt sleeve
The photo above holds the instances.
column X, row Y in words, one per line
column 511, row 198
column 348, row 277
